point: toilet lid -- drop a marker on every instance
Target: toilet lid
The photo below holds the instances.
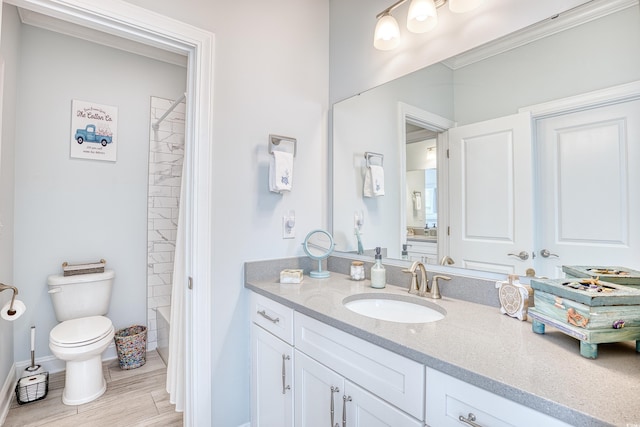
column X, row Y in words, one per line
column 82, row 331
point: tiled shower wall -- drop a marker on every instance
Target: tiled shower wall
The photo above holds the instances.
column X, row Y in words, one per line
column 166, row 151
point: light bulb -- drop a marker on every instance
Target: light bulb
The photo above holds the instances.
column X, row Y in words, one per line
column 462, row 6
column 387, row 34
column 422, row 16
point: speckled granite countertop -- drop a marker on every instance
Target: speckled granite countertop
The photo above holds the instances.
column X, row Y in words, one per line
column 477, row 344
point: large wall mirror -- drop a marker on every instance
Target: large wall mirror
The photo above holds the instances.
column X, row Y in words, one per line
column 482, row 150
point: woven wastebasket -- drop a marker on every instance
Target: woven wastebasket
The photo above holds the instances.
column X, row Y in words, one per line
column 131, row 344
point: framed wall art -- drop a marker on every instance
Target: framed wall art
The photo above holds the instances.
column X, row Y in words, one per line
column 93, row 131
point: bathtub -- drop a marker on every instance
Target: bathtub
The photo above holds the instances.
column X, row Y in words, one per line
column 163, row 314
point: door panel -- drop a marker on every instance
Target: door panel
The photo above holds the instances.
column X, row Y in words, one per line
column 272, row 364
column 366, row 410
column 588, row 196
column 313, row 394
column 490, row 194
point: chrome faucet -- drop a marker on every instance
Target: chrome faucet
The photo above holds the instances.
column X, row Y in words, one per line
column 421, row 287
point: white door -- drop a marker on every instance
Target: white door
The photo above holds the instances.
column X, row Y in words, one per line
column 271, row 380
column 490, row 195
column 318, row 394
column 588, row 198
column 363, row 409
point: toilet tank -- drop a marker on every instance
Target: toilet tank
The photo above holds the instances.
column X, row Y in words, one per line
column 80, row 295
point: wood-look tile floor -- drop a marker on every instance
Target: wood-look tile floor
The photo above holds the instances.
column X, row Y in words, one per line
column 135, row 397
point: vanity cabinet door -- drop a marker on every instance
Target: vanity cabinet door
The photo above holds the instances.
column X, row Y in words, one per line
column 393, row 378
column 271, row 380
column 324, row 398
column 318, row 394
column 363, row 409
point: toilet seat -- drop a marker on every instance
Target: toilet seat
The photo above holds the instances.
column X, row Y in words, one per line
column 81, row 332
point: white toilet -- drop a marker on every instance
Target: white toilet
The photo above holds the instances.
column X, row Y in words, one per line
column 80, row 303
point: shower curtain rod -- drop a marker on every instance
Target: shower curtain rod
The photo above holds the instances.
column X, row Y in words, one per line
column 156, row 125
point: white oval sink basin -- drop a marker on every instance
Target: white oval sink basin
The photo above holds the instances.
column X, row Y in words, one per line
column 394, row 308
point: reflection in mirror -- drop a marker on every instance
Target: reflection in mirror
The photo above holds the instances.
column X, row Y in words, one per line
column 506, row 212
column 422, row 193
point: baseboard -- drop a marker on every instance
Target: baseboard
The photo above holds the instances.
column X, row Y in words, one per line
column 52, row 364
column 6, row 394
column 245, row 425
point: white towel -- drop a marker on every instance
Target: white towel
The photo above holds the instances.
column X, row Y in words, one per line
column 280, row 171
column 374, row 181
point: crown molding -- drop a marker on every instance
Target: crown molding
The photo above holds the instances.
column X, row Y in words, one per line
column 571, row 18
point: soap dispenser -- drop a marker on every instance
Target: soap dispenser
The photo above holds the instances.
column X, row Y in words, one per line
column 378, row 272
column 405, row 252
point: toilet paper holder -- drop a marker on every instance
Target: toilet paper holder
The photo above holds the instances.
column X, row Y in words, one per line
column 4, row 287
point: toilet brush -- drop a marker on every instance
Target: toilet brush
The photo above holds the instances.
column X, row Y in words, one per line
column 33, row 369
column 34, row 384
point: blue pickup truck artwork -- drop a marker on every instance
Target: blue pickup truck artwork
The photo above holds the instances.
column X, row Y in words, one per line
column 89, row 134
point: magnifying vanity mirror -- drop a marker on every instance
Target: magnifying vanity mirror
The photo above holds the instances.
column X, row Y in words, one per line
column 517, row 156
column 318, row 245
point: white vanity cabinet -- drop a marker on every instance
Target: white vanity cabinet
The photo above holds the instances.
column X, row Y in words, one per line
column 423, row 251
column 272, row 363
column 379, row 387
column 323, row 397
column 453, row 403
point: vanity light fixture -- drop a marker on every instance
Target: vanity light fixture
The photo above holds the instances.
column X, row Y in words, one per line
column 387, row 34
column 422, row 17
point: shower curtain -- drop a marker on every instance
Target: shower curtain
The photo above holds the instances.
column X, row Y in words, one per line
column 176, row 363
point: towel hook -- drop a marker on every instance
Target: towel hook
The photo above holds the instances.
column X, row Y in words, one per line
column 275, row 140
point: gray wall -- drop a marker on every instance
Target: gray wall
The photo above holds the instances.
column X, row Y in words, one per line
column 271, row 76
column 9, row 52
column 79, row 210
column 595, row 55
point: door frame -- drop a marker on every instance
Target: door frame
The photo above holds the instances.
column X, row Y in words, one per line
column 611, row 95
column 147, row 27
column 427, row 120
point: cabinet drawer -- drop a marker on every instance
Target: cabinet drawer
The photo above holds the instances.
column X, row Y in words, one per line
column 272, row 316
column 394, row 378
column 449, row 398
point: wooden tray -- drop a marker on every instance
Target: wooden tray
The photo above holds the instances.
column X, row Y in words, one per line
column 612, row 274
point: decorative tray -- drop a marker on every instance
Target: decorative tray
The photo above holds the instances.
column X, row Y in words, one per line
column 613, row 274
